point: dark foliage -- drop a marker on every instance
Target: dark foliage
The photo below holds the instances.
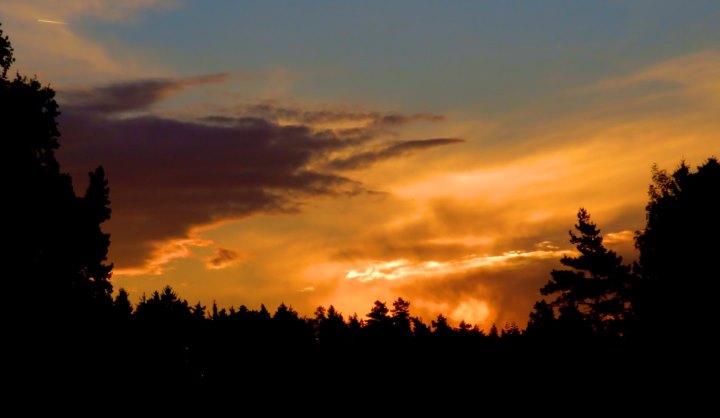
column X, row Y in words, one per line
column 58, row 249
column 679, row 248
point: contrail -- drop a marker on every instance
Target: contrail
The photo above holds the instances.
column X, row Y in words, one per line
column 54, row 22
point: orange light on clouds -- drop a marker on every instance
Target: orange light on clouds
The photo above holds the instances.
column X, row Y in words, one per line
column 52, row 22
column 619, row 237
column 472, row 311
column 401, row 269
column 470, row 230
column 163, row 254
column 475, row 209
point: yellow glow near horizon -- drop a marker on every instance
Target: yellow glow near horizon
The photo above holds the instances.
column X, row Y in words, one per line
column 472, row 311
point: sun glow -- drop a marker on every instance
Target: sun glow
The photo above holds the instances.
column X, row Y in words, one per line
column 472, row 311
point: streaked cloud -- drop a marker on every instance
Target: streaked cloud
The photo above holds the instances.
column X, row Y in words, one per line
column 59, row 51
column 136, row 95
column 333, row 118
column 64, row 10
column 619, row 237
column 696, row 72
column 52, row 22
column 398, row 149
column 403, row 269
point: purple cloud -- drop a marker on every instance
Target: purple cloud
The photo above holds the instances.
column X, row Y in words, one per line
column 168, row 175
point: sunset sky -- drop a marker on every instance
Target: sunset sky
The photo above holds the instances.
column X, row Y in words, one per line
column 330, row 152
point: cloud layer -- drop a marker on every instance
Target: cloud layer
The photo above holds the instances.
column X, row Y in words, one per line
column 170, row 176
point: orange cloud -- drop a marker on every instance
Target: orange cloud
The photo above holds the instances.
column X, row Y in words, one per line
column 446, row 229
column 163, row 254
column 402, row 269
column 619, row 237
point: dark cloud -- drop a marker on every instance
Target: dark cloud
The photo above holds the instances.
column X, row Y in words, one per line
column 324, row 116
column 132, row 95
column 169, row 175
column 222, row 258
column 398, row 149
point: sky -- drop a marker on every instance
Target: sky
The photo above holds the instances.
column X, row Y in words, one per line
column 326, row 152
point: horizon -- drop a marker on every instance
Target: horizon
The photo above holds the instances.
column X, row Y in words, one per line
column 341, row 154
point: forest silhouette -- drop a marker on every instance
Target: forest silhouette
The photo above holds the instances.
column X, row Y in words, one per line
column 598, row 313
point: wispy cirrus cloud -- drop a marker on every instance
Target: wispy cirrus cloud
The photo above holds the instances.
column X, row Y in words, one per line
column 63, row 52
column 69, row 9
column 333, row 117
column 695, row 71
column 406, row 269
column 366, row 158
column 135, row 96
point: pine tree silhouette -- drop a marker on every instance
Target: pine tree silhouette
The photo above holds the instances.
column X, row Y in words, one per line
column 597, row 283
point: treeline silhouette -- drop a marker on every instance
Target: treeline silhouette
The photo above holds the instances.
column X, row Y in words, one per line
column 598, row 310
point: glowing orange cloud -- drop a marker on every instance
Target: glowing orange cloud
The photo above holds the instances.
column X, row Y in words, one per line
column 619, row 237
column 400, row 269
column 163, row 254
column 52, row 22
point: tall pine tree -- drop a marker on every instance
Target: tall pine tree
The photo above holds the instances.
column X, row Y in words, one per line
column 596, row 283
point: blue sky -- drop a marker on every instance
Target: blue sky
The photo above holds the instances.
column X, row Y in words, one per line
column 428, row 55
